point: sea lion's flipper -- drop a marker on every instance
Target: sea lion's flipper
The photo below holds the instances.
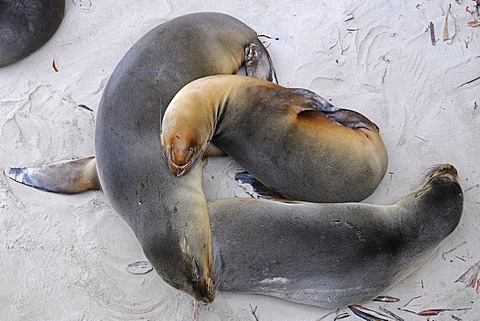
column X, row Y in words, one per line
column 312, row 101
column 66, row 177
column 352, row 119
column 259, row 190
column 258, row 63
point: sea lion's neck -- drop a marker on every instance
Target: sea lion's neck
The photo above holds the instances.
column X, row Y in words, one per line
column 204, row 101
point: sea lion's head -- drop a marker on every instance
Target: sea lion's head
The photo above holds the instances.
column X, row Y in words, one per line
column 186, row 131
column 185, row 266
column 442, row 195
column 199, row 274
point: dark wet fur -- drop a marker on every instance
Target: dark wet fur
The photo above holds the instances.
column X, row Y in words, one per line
column 27, row 25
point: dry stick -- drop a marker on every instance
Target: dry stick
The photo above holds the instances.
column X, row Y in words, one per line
column 368, row 314
column 414, row 298
column 268, row 37
column 476, row 185
column 456, row 247
column 341, row 316
column 469, row 82
column 254, row 311
column 433, row 312
column 54, row 65
column 445, row 30
column 390, row 313
column 328, row 314
column 85, row 107
column 432, row 33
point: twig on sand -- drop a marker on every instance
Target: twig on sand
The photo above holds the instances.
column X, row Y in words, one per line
column 54, row 65
column 469, row 82
column 390, row 313
column 414, row 298
column 85, row 107
column 429, row 312
column 475, row 15
column 432, row 33
column 254, row 312
column 326, row 315
column 445, row 30
column 456, row 247
column 368, row 314
column 268, row 37
column 341, row 316
column 433, row 312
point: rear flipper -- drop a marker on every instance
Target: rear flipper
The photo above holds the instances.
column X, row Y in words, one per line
column 352, row 119
column 259, row 190
column 312, row 100
column 66, row 177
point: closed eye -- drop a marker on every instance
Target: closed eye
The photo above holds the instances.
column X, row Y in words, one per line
column 197, row 271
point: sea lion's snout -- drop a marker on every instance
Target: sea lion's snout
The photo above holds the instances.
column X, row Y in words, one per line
column 181, row 155
column 205, row 291
column 180, row 161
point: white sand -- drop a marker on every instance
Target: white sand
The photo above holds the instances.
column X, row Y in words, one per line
column 64, row 257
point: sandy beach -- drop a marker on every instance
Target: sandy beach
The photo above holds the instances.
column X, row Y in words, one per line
column 64, row 257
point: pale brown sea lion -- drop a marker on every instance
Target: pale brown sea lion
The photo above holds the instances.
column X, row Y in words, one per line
column 291, row 140
column 173, row 229
column 25, row 25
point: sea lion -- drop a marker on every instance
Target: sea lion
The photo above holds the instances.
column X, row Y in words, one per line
column 292, row 140
column 326, row 255
column 332, row 255
column 25, row 25
column 172, row 227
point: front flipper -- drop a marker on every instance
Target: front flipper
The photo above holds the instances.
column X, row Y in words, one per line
column 258, row 63
column 66, row 177
column 259, row 190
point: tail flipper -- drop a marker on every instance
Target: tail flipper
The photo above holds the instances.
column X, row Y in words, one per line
column 66, row 177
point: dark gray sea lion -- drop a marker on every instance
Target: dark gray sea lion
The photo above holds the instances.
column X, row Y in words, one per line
column 25, row 25
column 326, row 255
column 332, row 255
column 168, row 215
column 291, row 140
